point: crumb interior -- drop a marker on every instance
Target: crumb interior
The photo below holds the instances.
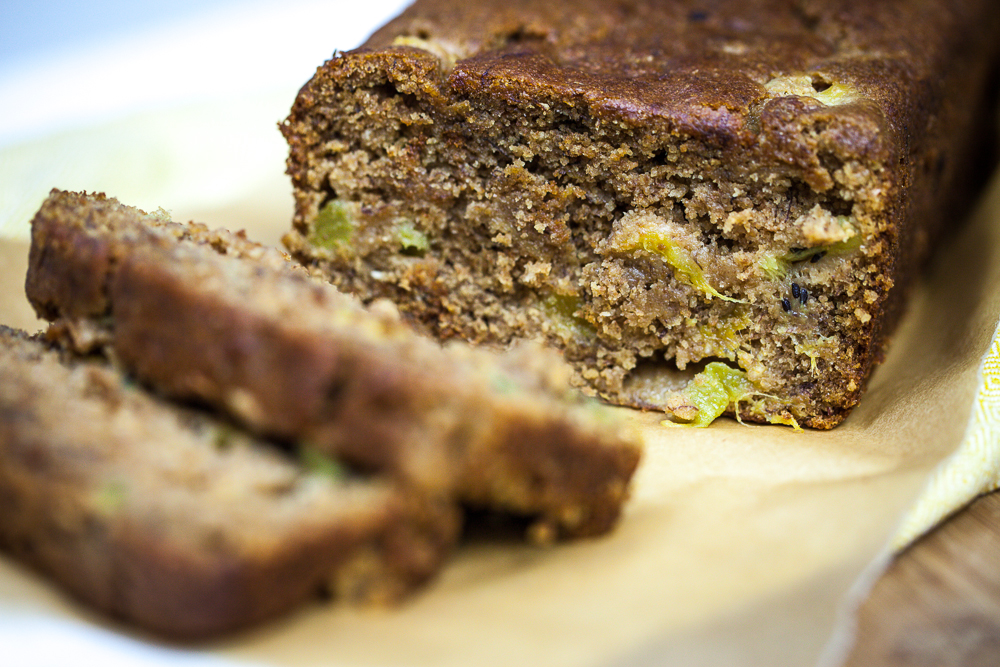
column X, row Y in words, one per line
column 639, row 252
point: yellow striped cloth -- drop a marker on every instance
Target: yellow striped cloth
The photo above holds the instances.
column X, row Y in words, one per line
column 973, row 469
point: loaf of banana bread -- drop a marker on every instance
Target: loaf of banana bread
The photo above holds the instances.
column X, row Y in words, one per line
column 211, row 316
column 659, row 188
column 171, row 519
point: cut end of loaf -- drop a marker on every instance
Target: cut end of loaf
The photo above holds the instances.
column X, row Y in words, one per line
column 613, row 242
column 647, row 192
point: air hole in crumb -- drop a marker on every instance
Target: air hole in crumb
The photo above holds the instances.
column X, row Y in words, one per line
column 653, row 381
column 384, row 90
column 820, row 84
column 524, row 34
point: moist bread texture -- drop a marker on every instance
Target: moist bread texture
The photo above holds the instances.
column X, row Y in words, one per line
column 176, row 521
column 656, row 188
column 210, row 316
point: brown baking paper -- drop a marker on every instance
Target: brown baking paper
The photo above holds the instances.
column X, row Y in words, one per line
column 741, row 545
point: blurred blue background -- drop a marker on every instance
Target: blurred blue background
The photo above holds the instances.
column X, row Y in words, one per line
column 162, row 104
column 65, row 63
column 32, row 29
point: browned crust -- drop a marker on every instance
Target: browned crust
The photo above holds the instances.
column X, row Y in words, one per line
column 662, row 73
column 257, row 340
column 173, row 549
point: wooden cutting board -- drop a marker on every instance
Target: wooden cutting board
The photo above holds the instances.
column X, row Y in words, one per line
column 938, row 604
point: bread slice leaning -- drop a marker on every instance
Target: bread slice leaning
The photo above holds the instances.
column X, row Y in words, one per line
column 178, row 522
column 210, row 316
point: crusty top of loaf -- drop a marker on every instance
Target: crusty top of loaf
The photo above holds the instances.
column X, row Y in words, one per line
column 702, row 67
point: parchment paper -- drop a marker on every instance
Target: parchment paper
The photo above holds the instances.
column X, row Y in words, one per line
column 742, row 545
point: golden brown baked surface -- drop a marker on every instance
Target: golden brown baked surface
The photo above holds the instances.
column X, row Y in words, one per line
column 650, row 186
column 208, row 315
